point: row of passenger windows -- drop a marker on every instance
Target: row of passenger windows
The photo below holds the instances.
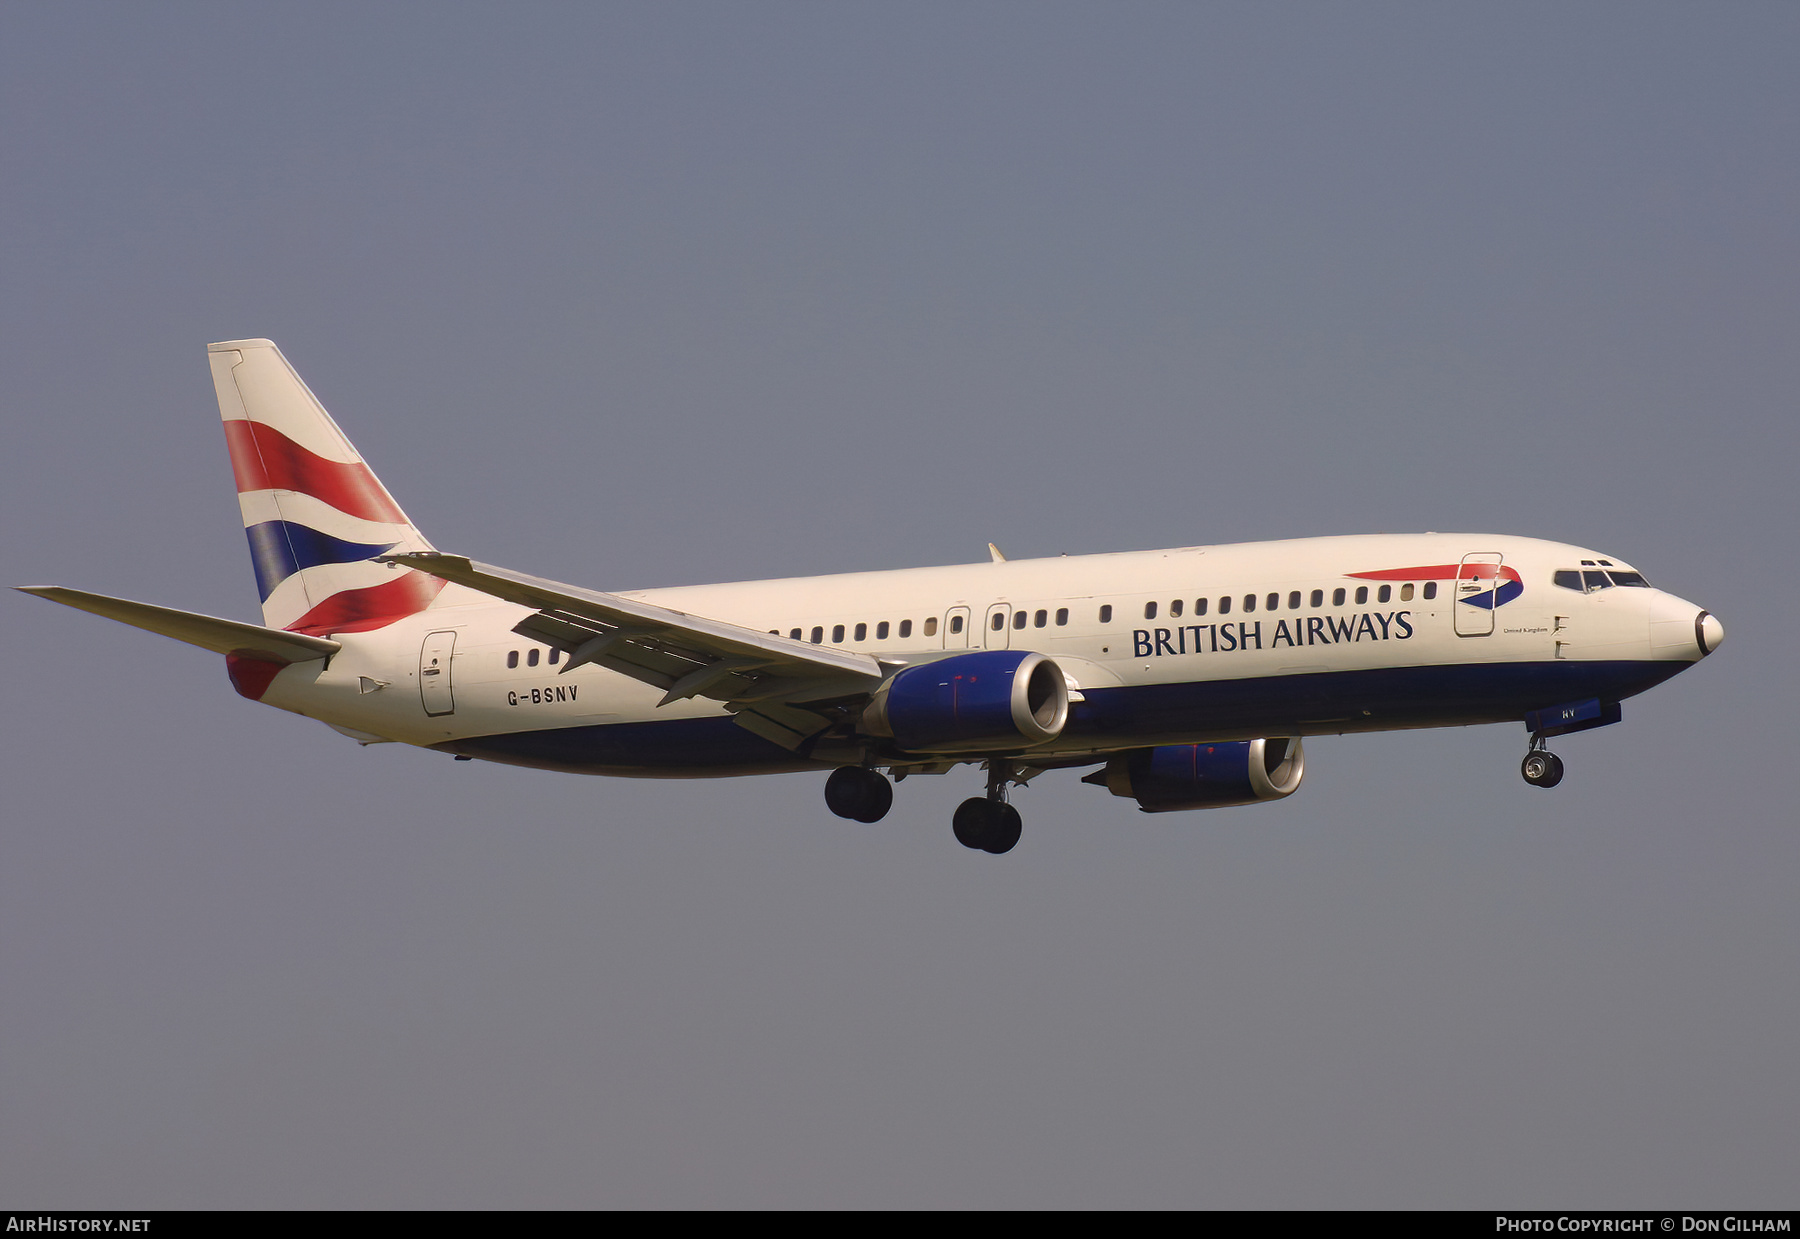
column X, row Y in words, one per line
column 1041, row 618
column 929, row 628
column 1272, row 602
column 1587, row 580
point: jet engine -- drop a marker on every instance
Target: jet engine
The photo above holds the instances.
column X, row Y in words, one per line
column 1205, row 776
column 971, row 703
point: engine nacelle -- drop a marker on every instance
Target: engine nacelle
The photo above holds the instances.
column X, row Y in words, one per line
column 972, row 703
column 1205, row 776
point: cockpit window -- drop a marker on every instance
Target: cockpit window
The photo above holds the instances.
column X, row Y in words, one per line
column 1590, row 579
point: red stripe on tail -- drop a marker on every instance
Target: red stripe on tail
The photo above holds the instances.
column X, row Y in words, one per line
column 359, row 610
column 262, row 458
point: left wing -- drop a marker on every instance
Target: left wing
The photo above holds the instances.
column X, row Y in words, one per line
column 782, row 689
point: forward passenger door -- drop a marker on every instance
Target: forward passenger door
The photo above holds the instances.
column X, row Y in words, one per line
column 1478, row 573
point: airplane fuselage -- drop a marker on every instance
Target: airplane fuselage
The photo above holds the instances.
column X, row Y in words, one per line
column 1196, row 644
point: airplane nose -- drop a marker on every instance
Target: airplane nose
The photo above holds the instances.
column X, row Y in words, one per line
column 1708, row 631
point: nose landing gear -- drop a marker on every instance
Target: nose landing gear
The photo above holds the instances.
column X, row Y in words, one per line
column 988, row 823
column 1541, row 767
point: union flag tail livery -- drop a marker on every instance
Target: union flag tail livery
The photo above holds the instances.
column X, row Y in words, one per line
column 1184, row 679
column 315, row 514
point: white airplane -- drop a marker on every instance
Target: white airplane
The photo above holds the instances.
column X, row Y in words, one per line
column 1188, row 677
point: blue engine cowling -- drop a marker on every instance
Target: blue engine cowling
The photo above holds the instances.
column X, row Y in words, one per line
column 1205, row 776
column 972, row 703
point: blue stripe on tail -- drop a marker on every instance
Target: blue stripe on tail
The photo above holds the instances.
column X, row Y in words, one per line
column 278, row 549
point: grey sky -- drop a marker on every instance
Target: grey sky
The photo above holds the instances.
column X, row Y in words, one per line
column 661, row 294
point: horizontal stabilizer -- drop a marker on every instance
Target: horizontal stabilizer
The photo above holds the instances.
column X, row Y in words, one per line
column 222, row 636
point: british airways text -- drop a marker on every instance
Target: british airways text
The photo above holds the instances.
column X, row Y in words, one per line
column 1314, row 630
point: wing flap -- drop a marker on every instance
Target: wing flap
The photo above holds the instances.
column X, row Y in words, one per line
column 222, row 636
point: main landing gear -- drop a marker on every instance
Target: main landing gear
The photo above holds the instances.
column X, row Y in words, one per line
column 988, row 823
column 1541, row 767
column 985, row 823
column 860, row 794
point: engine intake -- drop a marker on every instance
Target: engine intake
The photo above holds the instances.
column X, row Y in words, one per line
column 1205, row 776
column 972, row 703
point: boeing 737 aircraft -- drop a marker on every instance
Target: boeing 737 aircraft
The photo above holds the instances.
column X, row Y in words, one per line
column 1187, row 678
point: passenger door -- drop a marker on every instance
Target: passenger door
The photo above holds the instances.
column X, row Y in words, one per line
column 434, row 673
column 1473, row 594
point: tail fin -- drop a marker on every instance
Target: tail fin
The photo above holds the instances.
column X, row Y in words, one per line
column 315, row 514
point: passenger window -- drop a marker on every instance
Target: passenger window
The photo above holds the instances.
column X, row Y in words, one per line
column 531, row 658
column 1062, row 617
column 1337, row 597
column 955, row 623
column 1249, row 603
column 862, row 632
column 931, row 626
column 1384, row 593
column 881, row 631
column 1362, row 594
column 1430, row 589
column 512, row 658
column 1199, row 606
column 906, row 628
column 1106, row 614
column 794, row 635
column 818, row 636
column 1406, row 592
column 1225, row 605
column 1149, row 610
column 1272, row 602
column 1175, row 609
column 999, row 622
column 837, row 634
column 555, row 657
column 1040, row 619
column 1318, row 598
column 1294, row 601
column 1018, row 619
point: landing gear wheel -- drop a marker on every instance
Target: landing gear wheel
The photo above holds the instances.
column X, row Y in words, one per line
column 880, row 799
column 971, row 823
column 1003, row 834
column 1541, row 768
column 987, row 825
column 858, row 794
